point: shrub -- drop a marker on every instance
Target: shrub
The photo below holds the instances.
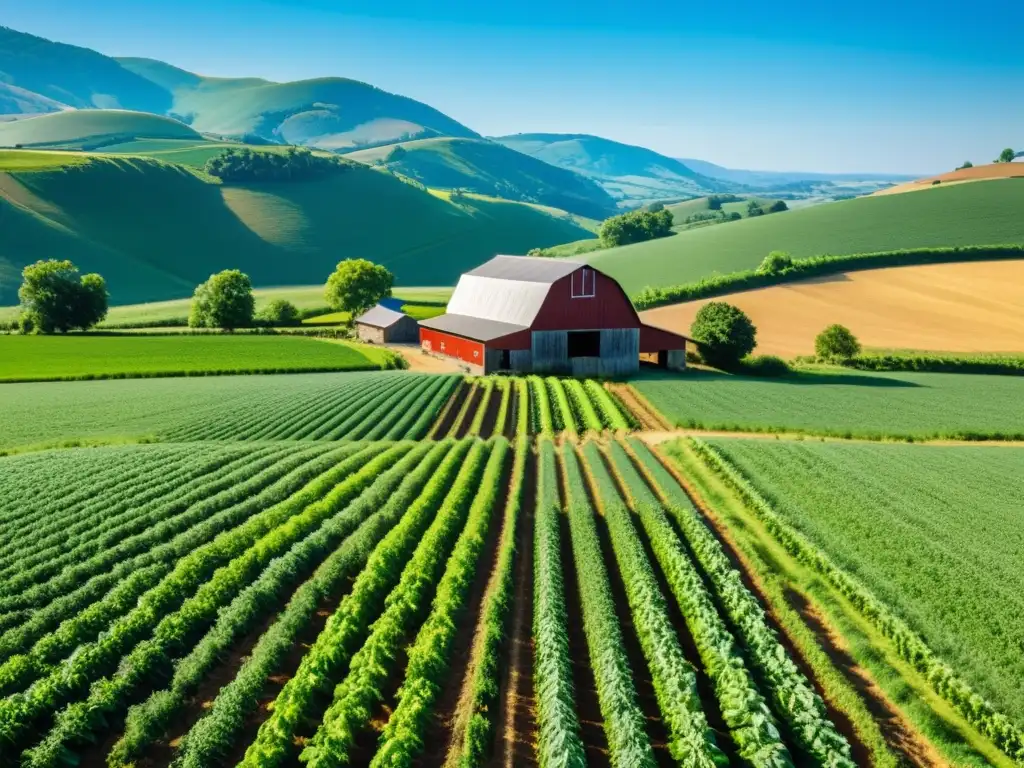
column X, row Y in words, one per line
column 767, row 366
column 636, row 227
column 776, row 263
column 54, row 298
column 279, row 312
column 778, row 206
column 754, row 209
column 655, row 207
column 836, row 342
column 224, row 301
column 725, row 334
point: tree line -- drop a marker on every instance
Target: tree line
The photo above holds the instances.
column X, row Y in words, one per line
column 293, row 164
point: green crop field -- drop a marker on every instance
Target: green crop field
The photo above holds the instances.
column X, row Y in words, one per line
column 933, row 532
column 981, row 213
column 155, row 230
column 854, row 404
column 41, row 358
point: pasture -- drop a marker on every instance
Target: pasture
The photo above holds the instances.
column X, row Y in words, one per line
column 957, row 307
column 41, row 358
column 965, row 214
column 843, row 404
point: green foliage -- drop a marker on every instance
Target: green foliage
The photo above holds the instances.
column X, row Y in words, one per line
column 967, row 164
column 224, row 301
column 294, row 164
column 937, row 362
column 1006, row 156
column 844, row 403
column 765, row 366
column 778, row 206
column 358, row 284
column 836, row 342
column 279, row 313
column 824, row 519
column 612, row 413
column 54, row 298
column 654, row 207
column 725, row 334
column 636, row 227
column 776, row 263
column 720, row 285
column 754, row 209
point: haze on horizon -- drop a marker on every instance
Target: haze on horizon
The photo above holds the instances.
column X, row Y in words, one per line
column 878, row 86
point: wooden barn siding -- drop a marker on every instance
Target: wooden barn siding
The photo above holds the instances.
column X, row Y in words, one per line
column 550, row 351
column 404, row 331
column 521, row 360
column 620, row 353
column 608, row 308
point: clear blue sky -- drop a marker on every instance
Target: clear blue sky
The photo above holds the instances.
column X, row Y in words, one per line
column 877, row 85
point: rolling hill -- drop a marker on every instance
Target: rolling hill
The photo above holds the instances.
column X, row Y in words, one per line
column 154, row 230
column 777, row 179
column 77, row 77
column 630, row 174
column 1012, row 170
column 329, row 113
column 983, row 213
column 489, row 168
column 966, row 307
column 91, row 128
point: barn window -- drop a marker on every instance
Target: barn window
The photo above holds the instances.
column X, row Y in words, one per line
column 584, row 283
column 584, row 343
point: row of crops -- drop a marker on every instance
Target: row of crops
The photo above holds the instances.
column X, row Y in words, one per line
column 532, row 405
column 277, row 604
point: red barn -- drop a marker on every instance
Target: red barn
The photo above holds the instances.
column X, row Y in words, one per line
column 524, row 314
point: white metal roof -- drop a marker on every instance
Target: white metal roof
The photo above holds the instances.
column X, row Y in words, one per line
column 380, row 317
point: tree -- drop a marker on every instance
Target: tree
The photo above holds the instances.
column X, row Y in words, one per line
column 967, row 164
column 754, row 208
column 54, row 297
column 279, row 312
column 1006, row 156
column 776, row 263
column 358, row 284
column 655, row 207
column 836, row 342
column 636, row 227
column 224, row 301
column 778, row 206
column 725, row 333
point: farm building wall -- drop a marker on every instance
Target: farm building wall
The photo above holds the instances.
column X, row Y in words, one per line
column 404, row 331
column 369, row 333
column 620, row 353
column 465, row 350
column 605, row 306
column 521, row 360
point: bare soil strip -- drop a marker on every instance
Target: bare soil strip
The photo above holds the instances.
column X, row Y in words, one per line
column 449, row 709
column 649, row 418
column 491, row 415
column 588, row 708
column 516, row 731
column 446, row 420
column 465, row 417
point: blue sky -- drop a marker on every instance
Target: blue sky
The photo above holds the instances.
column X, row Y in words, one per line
column 900, row 86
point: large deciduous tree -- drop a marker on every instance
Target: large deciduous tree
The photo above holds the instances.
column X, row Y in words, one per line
column 356, row 285
column 224, row 301
column 55, row 298
column 726, row 335
column 1006, row 156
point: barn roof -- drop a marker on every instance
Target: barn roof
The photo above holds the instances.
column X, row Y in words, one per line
column 476, row 328
column 380, row 317
column 527, row 269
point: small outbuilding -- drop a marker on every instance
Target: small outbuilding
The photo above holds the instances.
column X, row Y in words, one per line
column 541, row 315
column 384, row 325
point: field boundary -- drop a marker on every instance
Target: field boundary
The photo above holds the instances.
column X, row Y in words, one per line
column 1005, row 733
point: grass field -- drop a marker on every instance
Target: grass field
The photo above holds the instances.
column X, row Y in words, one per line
column 855, row 404
column 41, row 358
column 965, row 214
column 155, row 230
column 932, row 532
column 959, row 307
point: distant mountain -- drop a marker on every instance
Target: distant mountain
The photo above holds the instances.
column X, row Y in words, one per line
column 778, row 178
column 490, row 168
column 631, row 174
column 329, row 112
column 76, row 77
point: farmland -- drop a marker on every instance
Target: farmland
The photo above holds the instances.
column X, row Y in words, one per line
column 41, row 358
column 843, row 404
column 923, row 541
column 963, row 307
column 984, row 213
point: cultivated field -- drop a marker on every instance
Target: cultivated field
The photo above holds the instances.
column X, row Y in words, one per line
column 924, row 541
column 977, row 173
column 966, row 307
column 844, row 404
column 42, row 358
column 962, row 214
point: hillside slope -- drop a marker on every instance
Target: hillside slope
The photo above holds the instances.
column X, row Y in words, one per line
column 1013, row 170
column 85, row 128
column 78, row 77
column 966, row 307
column 155, row 230
column 983, row 213
column 629, row 173
column 327, row 112
column 490, row 168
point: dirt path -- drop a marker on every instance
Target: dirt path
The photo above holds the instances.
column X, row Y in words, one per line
column 446, row 419
column 649, row 418
column 421, row 362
